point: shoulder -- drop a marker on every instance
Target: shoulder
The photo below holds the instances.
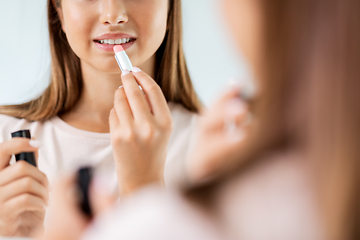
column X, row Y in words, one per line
column 276, row 187
column 8, row 119
column 9, row 124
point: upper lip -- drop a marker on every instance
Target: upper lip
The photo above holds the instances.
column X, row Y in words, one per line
column 113, row 36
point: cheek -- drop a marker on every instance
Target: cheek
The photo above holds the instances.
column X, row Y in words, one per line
column 237, row 21
column 151, row 23
column 243, row 18
column 154, row 23
column 77, row 26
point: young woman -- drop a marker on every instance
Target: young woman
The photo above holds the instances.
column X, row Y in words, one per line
column 296, row 175
column 84, row 118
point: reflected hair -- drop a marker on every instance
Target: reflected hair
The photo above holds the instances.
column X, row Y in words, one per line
column 65, row 87
column 309, row 101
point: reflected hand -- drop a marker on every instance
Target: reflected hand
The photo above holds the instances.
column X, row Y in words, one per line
column 23, row 192
column 140, row 128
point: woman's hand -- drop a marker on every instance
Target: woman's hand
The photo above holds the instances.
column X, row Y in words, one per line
column 220, row 133
column 140, row 127
column 23, row 191
column 66, row 220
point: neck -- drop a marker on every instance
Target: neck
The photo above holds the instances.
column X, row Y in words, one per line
column 91, row 112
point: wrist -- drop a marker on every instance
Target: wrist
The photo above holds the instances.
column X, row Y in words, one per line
column 128, row 187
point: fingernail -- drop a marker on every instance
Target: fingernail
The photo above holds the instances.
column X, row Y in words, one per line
column 35, row 143
column 121, row 86
column 234, row 83
column 235, row 107
column 136, row 69
column 125, row 72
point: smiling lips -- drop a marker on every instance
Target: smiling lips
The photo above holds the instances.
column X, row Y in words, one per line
column 114, row 38
column 106, row 42
column 115, row 41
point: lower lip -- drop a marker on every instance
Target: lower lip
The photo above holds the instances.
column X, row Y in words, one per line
column 110, row 47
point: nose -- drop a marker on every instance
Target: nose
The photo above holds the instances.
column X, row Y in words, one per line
column 113, row 12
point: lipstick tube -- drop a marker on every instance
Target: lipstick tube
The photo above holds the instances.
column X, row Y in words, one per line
column 84, row 178
column 26, row 156
column 122, row 58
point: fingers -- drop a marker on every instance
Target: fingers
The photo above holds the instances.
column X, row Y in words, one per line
column 214, row 153
column 123, row 111
column 22, row 203
column 101, row 195
column 32, row 223
column 13, row 146
column 135, row 96
column 226, row 112
column 153, row 92
column 233, row 93
column 113, row 120
column 222, row 130
column 37, row 157
column 24, row 185
column 131, row 99
column 22, row 169
column 66, row 221
column 228, row 94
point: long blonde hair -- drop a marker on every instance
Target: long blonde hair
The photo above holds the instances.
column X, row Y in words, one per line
column 66, row 78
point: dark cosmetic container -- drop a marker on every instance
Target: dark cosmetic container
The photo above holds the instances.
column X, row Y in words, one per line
column 84, row 176
column 25, row 156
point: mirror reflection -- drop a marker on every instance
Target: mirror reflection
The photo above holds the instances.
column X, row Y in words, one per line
column 169, row 119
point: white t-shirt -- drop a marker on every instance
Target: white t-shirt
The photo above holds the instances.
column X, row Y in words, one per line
column 65, row 148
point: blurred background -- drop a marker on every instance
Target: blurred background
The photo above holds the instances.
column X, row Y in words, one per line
column 25, row 58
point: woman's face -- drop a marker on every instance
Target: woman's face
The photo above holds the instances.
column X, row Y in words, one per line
column 93, row 26
column 244, row 19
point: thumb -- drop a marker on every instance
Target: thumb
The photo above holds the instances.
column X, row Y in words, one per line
column 14, row 146
column 102, row 195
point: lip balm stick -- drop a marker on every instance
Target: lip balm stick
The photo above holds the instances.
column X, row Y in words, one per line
column 122, row 58
column 26, row 156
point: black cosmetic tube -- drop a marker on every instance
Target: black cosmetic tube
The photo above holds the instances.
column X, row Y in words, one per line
column 84, row 176
column 26, row 156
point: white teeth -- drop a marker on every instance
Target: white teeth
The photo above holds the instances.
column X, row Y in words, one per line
column 115, row 41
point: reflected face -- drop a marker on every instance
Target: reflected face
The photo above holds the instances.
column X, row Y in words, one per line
column 244, row 19
column 93, row 26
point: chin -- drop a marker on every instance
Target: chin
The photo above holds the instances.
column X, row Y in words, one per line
column 110, row 67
